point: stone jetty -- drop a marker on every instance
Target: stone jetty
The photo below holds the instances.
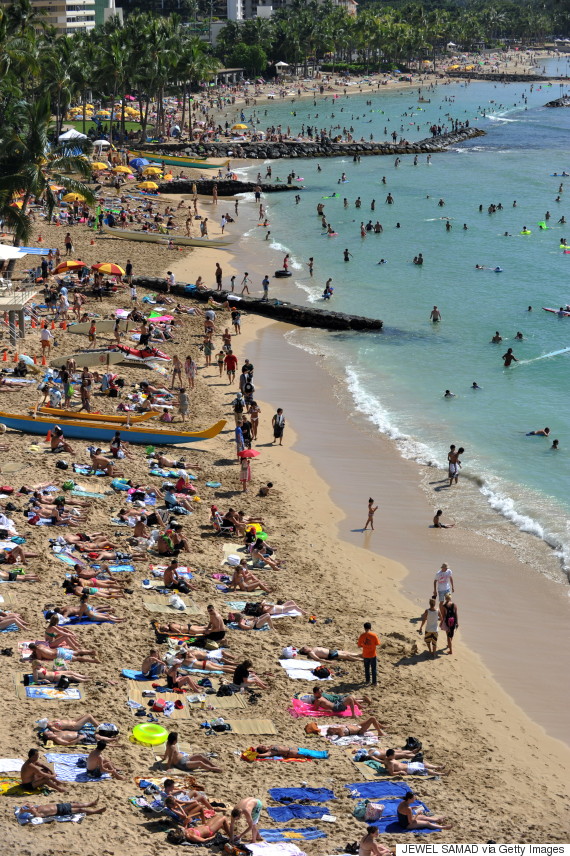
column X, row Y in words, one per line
column 290, row 313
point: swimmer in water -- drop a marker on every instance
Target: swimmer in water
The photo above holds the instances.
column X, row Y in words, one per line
column 435, row 315
column 475, row 385
column 437, row 522
column 541, row 432
column 448, row 394
column 383, row 262
column 519, row 335
column 509, row 358
column 496, row 338
column 554, row 444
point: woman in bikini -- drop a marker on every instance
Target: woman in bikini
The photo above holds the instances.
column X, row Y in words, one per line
column 372, row 509
column 354, row 730
column 47, row 676
column 87, row 611
column 200, row 834
column 254, row 411
column 410, row 819
column 60, row 637
column 173, row 757
column 244, row 580
column 175, row 681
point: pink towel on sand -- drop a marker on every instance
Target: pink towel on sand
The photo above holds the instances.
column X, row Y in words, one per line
column 301, row 708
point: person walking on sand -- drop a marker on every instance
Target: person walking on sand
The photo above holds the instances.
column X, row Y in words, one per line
column 244, row 473
column 372, row 509
column 278, row 423
column 245, row 283
column 454, row 464
column 430, row 619
column 449, row 620
column 443, row 582
column 369, row 641
column 218, row 277
column 265, row 286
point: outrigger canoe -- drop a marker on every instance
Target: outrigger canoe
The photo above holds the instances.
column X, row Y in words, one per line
column 194, row 162
column 159, row 238
column 83, row 430
column 114, row 418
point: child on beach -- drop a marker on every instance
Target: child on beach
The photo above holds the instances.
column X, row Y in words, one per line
column 371, row 511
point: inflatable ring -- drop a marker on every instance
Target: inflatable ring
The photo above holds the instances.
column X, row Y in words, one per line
column 255, row 526
column 149, row 733
column 282, row 273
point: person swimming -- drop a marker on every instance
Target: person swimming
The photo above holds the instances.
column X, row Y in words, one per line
column 475, row 385
column 541, row 432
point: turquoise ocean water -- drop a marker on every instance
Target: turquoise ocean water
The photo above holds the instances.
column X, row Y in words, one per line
column 397, row 379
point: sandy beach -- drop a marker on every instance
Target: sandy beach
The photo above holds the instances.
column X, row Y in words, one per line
column 509, row 777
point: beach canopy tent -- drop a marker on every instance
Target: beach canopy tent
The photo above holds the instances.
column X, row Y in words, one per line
column 281, row 64
column 72, row 134
column 138, row 162
column 7, row 252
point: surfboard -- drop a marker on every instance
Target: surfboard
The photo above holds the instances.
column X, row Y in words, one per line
column 102, row 359
column 556, row 311
column 104, row 325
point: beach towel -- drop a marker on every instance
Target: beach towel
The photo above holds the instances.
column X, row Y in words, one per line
column 239, row 606
column 301, row 708
column 302, row 670
column 87, row 494
column 10, row 765
column 252, row 726
column 135, row 675
column 232, row 625
column 24, row 817
column 389, row 824
column 53, row 694
column 263, row 848
column 85, row 470
column 378, row 790
column 309, row 833
column 285, row 813
column 11, row 786
column 75, row 620
column 297, row 794
column 66, row 769
column 67, row 558
column 121, row 569
column 12, row 628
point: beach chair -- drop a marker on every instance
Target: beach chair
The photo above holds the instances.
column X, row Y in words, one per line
column 218, row 524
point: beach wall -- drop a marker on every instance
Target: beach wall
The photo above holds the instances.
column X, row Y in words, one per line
column 278, row 310
column 503, row 77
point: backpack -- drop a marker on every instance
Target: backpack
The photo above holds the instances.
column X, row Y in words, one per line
column 413, row 744
column 321, row 672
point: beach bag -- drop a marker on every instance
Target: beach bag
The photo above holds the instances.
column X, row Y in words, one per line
column 373, row 811
column 62, row 465
column 312, row 728
column 107, row 729
column 158, row 705
column 63, row 683
column 321, row 672
column 68, row 485
column 211, row 645
column 412, row 745
column 359, row 810
column 249, row 754
column 176, row 602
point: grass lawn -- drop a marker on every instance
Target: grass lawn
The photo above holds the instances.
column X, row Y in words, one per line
column 129, row 126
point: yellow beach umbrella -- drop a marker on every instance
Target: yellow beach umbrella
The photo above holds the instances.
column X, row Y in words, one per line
column 98, row 166
column 239, row 127
column 73, row 197
column 109, row 268
column 148, row 185
column 168, row 177
column 122, row 169
column 152, row 170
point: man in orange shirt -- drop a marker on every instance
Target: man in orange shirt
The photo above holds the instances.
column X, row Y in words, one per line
column 368, row 642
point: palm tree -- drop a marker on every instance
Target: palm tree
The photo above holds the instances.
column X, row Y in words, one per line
column 29, row 164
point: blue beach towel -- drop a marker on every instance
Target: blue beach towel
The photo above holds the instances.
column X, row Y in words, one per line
column 293, row 794
column 309, row 833
column 12, row 628
column 51, row 693
column 378, row 790
column 285, row 813
column 75, row 620
column 135, row 675
column 213, row 484
column 66, row 767
column 122, row 569
column 67, row 559
column 388, row 823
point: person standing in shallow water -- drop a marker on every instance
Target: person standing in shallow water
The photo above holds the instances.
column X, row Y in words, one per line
column 372, row 509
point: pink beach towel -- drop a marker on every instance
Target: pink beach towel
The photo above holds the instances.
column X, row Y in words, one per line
column 301, row 708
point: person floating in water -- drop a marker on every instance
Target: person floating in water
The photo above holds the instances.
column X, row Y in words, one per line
column 475, row 385
column 554, row 444
column 540, row 432
column 509, row 358
column 449, row 394
column 496, row 338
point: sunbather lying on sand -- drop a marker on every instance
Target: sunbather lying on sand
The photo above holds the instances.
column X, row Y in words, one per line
column 95, row 539
column 87, row 611
column 200, row 834
column 8, row 618
column 323, row 655
column 75, row 586
column 410, row 768
column 36, row 774
column 17, row 555
column 15, row 577
column 72, row 737
column 334, row 703
column 42, row 651
column 191, row 661
column 173, row 757
column 362, row 728
column 86, row 573
column 279, row 751
column 62, row 809
column 48, row 676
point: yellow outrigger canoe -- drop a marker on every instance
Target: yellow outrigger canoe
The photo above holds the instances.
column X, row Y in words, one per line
column 194, row 162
